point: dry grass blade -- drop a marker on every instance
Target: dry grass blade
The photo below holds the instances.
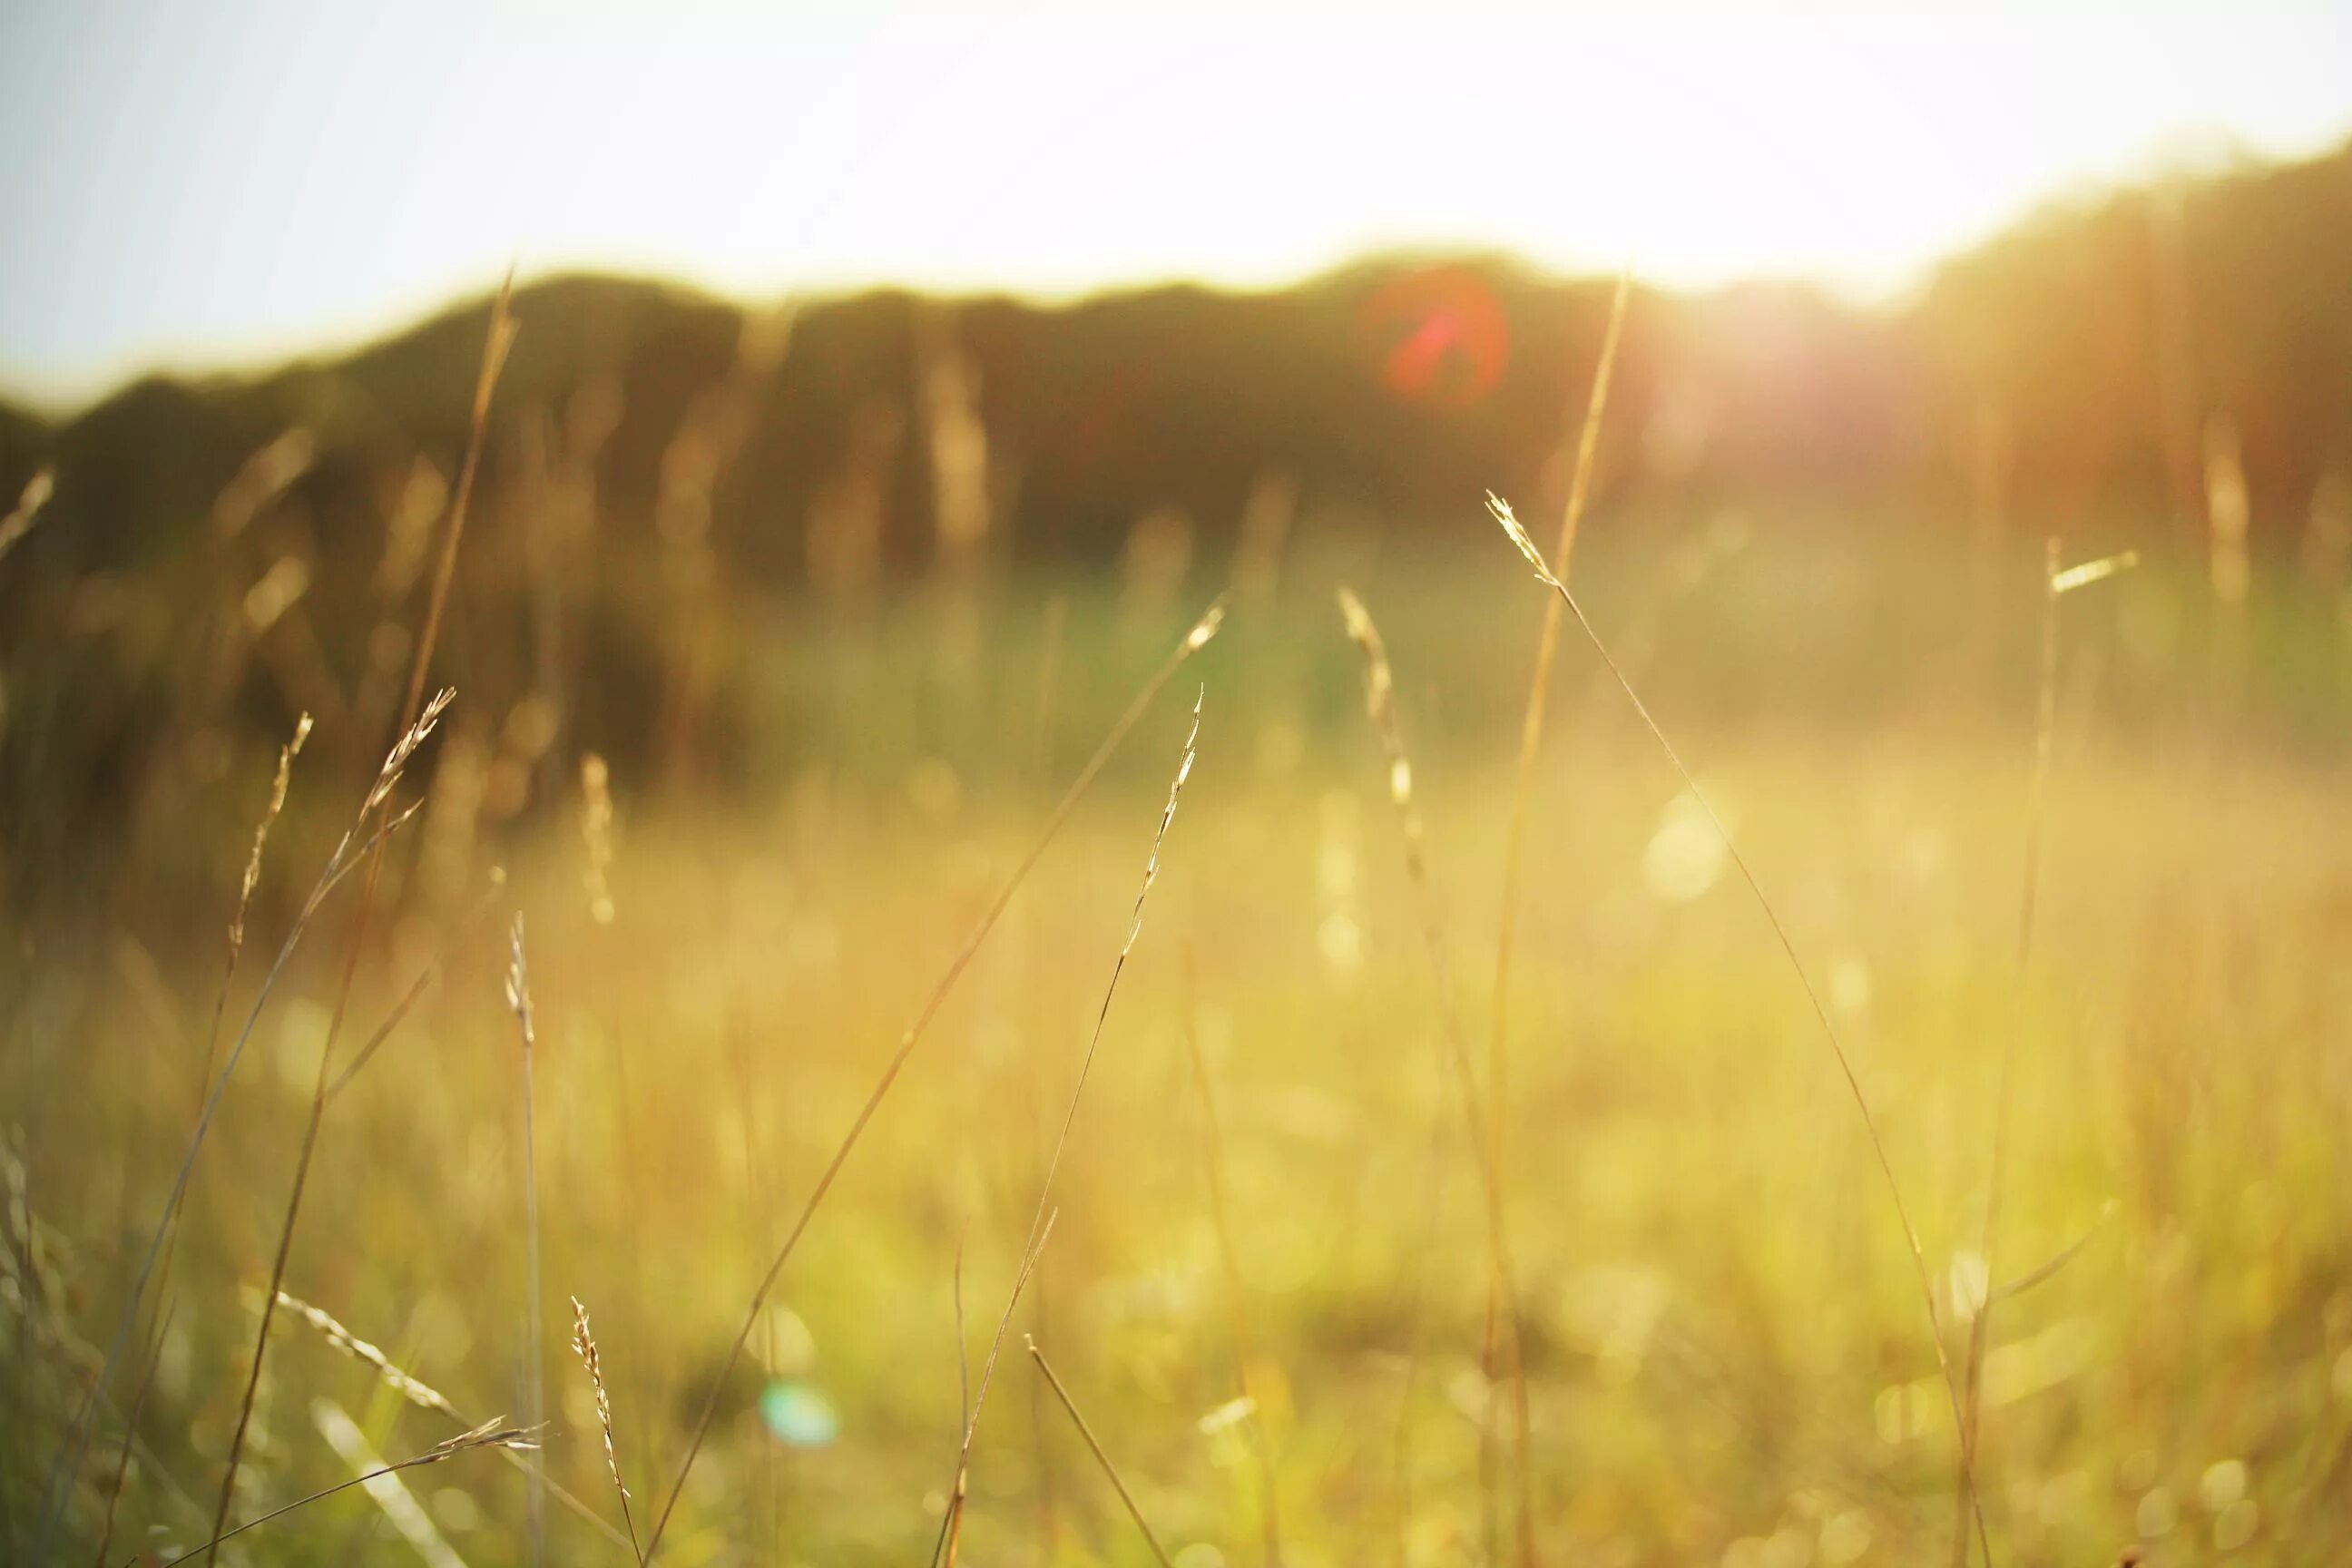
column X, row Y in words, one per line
column 378, row 799
column 358, row 842
column 489, row 1435
column 534, row 1379
column 2012, row 1289
column 1043, row 1217
column 1119, row 965
column 1527, row 547
column 418, row 718
column 279, row 784
column 1416, row 1325
column 2055, row 583
column 952, row 1527
column 1194, row 640
column 389, row 1492
column 396, row 761
column 1380, row 703
column 415, row 1390
column 424, row 1396
column 2045, row 727
column 130, row 1435
column 286, row 755
column 28, row 509
column 494, row 359
column 583, row 1345
column 964, row 1398
column 1236, row 1296
column 2089, row 571
column 1094, row 1445
column 964, row 1352
column 1532, row 725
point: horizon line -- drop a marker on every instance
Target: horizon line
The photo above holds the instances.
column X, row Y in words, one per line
column 56, row 399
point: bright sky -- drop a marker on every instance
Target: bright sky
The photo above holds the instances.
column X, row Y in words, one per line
column 201, row 184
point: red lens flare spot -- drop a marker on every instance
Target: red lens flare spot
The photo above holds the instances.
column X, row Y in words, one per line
column 1440, row 336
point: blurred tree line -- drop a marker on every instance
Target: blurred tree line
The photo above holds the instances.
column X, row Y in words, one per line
column 220, row 552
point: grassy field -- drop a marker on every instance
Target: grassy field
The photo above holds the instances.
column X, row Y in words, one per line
column 1726, row 1352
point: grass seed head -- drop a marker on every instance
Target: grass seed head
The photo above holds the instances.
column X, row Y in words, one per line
column 415, row 1390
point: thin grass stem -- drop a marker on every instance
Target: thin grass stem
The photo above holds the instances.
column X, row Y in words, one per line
column 1194, row 640
column 1094, row 1447
column 1519, row 535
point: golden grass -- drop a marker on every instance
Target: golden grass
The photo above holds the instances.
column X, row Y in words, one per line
column 583, row 1345
column 415, row 1390
column 2056, row 582
column 360, row 840
column 1094, row 1447
column 286, row 755
column 418, row 718
column 519, row 1002
column 1380, row 704
column 1680, row 1144
column 1194, row 640
column 1519, row 536
column 1043, row 1220
column 951, row 1526
column 1708, row 1369
column 1504, row 1314
column 1213, row 1162
column 493, row 1433
column 376, row 806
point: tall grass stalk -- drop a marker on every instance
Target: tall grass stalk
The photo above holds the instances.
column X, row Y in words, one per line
column 1213, row 1153
column 1193, row 641
column 2055, row 583
column 425, row 1396
column 130, row 1433
column 1527, row 547
column 963, row 1407
column 1077, row 1091
column 1532, row 725
column 583, row 1345
column 492, row 1434
column 397, row 1505
column 1050, row 660
column 279, row 784
column 358, row 843
column 1094, row 1447
column 415, row 715
column 534, row 1380
column 951, row 1525
column 1380, row 703
column 1416, row 1314
column 495, row 348
column 379, row 799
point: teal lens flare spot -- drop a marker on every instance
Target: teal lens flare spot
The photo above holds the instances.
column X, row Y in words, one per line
column 798, row 1415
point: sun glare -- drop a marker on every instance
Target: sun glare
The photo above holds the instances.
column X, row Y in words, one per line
column 311, row 171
